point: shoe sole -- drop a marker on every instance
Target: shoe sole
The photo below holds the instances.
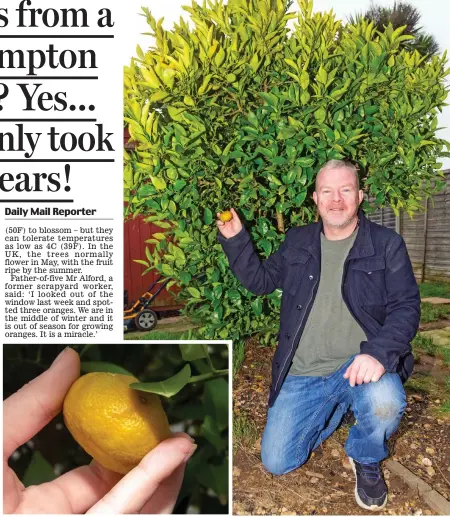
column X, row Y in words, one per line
column 373, row 507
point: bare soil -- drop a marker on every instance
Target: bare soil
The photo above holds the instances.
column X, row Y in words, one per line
column 325, row 484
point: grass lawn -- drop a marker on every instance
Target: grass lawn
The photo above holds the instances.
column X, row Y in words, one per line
column 441, row 290
column 245, row 432
column 157, row 335
column 426, row 344
column 432, row 312
column 238, row 355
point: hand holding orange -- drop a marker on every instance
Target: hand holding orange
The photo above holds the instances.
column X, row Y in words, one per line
column 229, row 223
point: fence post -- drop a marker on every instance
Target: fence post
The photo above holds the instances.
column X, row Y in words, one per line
column 425, row 236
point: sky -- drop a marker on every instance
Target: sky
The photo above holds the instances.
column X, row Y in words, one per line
column 435, row 20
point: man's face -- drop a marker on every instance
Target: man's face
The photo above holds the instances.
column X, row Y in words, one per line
column 337, row 197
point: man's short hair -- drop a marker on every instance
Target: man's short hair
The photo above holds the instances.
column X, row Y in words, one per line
column 339, row 164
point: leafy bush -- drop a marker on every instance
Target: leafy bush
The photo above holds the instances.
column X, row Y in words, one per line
column 236, row 110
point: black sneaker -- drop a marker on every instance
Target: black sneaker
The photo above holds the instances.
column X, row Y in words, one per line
column 370, row 487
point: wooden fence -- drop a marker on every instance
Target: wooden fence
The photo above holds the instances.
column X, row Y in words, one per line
column 136, row 232
column 427, row 235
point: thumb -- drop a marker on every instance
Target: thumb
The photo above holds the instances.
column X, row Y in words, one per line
column 31, row 408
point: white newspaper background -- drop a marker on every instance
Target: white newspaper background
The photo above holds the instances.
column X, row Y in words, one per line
column 61, row 156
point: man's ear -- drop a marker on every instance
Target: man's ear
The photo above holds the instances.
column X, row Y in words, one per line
column 360, row 196
column 315, row 197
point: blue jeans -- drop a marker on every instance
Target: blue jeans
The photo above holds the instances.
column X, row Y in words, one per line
column 309, row 409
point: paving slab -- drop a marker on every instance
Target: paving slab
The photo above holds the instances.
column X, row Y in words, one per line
column 436, row 300
column 439, row 336
column 435, row 501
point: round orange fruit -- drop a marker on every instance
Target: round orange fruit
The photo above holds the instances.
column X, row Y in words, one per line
column 226, row 216
column 114, row 423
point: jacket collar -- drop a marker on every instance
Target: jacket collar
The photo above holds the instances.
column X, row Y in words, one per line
column 363, row 246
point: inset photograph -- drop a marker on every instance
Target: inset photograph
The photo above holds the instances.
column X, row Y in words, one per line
column 127, row 428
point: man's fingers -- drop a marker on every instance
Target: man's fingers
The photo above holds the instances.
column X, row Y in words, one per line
column 27, row 411
column 377, row 375
column 361, row 374
column 368, row 377
column 353, row 374
column 139, row 485
column 93, row 481
column 347, row 372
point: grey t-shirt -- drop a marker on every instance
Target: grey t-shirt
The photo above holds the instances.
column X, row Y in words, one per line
column 331, row 334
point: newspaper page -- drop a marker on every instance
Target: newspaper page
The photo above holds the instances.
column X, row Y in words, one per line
column 60, row 171
column 91, row 421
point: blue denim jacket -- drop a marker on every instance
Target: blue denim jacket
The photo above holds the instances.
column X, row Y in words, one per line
column 378, row 286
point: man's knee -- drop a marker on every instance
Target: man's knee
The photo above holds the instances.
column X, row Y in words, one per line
column 385, row 401
column 278, row 463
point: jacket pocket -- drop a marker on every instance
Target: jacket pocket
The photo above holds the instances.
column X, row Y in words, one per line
column 295, row 265
column 370, row 281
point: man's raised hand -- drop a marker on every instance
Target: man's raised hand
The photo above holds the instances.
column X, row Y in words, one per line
column 229, row 228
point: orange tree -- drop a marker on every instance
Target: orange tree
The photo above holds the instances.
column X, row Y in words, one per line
column 235, row 109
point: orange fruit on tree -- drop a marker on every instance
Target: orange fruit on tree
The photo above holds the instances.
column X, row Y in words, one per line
column 114, row 423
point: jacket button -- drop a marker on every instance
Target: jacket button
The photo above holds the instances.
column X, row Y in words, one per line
column 299, row 307
column 287, row 335
column 277, row 365
column 311, row 277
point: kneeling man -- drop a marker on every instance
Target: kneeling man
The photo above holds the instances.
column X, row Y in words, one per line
column 349, row 310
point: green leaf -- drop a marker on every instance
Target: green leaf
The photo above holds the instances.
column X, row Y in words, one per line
column 185, row 277
column 266, row 246
column 207, row 216
column 142, row 262
column 305, row 162
column 172, row 207
column 38, row 471
column 274, row 179
column 286, row 132
column 214, row 477
column 263, row 225
column 322, row 75
column 234, row 295
column 192, row 351
column 167, row 388
column 256, row 305
column 211, row 432
column 304, row 79
column 270, row 98
column 216, row 401
column 158, row 182
column 220, row 57
column 179, row 184
column 100, row 366
column 195, row 293
column 320, row 115
column 304, row 98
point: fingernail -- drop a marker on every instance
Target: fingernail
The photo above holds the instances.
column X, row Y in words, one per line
column 183, row 435
column 58, row 359
column 190, row 453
